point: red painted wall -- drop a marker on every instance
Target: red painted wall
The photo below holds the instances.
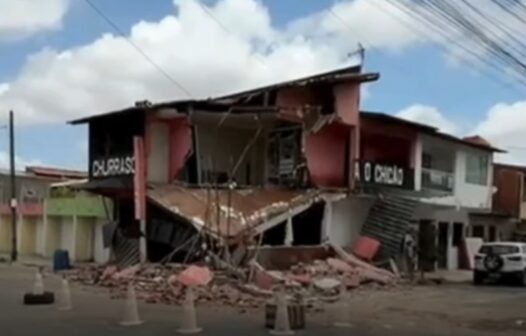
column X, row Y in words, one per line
column 347, row 98
column 180, row 145
column 387, row 143
column 326, row 152
column 386, row 149
column 507, row 199
column 26, row 209
column 329, row 148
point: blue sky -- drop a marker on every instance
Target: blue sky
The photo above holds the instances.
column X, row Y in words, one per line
column 418, row 80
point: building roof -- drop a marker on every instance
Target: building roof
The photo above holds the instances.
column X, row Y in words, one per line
column 347, row 74
column 387, row 118
column 58, row 173
column 69, row 183
column 45, row 173
column 246, row 209
column 472, row 141
column 510, row 166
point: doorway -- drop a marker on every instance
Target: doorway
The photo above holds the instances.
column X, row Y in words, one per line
column 426, row 245
column 443, row 232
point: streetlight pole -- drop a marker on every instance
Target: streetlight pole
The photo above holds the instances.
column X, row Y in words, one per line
column 12, row 203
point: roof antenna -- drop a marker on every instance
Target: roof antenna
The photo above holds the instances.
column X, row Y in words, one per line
column 361, row 52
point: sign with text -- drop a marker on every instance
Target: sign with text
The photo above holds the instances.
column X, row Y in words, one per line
column 384, row 174
column 113, row 166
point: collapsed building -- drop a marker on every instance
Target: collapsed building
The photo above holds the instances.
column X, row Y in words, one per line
column 287, row 166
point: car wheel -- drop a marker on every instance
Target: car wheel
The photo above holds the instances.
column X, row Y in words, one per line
column 523, row 279
column 478, row 278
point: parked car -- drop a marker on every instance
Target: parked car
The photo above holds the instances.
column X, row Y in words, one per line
column 501, row 261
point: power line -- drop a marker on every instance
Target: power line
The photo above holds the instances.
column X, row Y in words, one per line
column 507, row 9
column 346, row 25
column 207, row 11
column 138, row 49
column 441, row 24
column 406, row 71
column 453, row 13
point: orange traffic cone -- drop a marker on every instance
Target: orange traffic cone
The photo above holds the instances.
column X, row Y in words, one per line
column 343, row 310
column 38, row 286
column 65, row 296
column 189, row 323
column 131, row 312
column 281, row 323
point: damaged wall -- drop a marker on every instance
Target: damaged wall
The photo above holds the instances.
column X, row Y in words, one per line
column 347, row 218
column 158, row 133
column 181, row 143
column 296, row 97
column 327, row 153
column 225, row 147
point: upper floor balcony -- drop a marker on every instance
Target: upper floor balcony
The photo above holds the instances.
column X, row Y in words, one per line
column 437, row 180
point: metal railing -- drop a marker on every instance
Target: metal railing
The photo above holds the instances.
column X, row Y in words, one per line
column 437, row 179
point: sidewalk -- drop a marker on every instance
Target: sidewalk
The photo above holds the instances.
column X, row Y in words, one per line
column 452, row 276
column 31, row 261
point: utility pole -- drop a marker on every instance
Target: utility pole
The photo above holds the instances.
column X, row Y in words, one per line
column 12, row 203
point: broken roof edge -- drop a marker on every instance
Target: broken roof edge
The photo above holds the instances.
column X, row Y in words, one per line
column 353, row 72
column 430, row 130
column 349, row 73
column 259, row 218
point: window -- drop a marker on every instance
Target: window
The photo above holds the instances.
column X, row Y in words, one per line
column 478, row 231
column 492, row 234
column 499, row 249
column 426, row 160
column 477, row 169
column 458, row 234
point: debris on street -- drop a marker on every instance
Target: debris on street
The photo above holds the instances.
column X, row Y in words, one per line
column 312, row 282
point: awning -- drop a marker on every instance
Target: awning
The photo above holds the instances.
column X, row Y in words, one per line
column 109, row 186
column 228, row 216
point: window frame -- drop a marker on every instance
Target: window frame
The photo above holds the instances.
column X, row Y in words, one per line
column 480, row 174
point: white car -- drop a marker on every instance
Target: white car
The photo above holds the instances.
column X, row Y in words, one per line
column 499, row 261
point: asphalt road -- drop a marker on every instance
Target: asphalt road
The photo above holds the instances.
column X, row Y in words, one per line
column 437, row 310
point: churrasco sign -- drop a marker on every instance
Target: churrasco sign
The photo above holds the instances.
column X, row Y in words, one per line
column 113, row 166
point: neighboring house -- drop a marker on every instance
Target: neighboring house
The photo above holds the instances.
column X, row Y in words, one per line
column 509, row 202
column 31, row 191
column 52, row 214
column 440, row 183
column 74, row 221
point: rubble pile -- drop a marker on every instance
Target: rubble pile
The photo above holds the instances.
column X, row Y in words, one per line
column 161, row 284
column 321, row 280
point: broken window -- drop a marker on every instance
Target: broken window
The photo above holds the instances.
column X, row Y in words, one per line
column 284, row 157
column 306, row 226
column 275, row 236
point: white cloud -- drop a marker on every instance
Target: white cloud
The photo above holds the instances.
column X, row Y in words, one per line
column 374, row 24
column 207, row 58
column 21, row 18
column 505, row 127
column 429, row 115
column 20, row 163
column 3, row 88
